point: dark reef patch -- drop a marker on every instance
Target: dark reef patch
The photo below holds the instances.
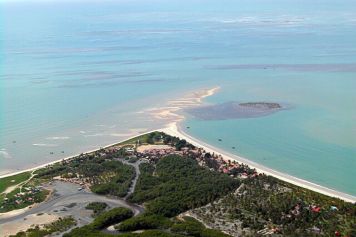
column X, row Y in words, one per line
column 235, row 110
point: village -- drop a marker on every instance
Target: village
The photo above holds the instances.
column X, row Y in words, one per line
column 159, row 147
column 23, row 197
column 150, row 149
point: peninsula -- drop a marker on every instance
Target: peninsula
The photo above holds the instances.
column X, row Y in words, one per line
column 166, row 183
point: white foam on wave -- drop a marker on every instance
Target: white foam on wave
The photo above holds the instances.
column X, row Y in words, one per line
column 95, row 135
column 275, row 20
column 4, row 154
column 44, row 145
column 58, row 138
column 122, row 134
column 105, row 126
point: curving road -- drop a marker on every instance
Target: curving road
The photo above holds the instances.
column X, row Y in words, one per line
column 68, row 200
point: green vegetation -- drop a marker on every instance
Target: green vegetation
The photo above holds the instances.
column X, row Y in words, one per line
column 144, row 222
column 107, row 176
column 110, row 217
column 97, row 207
column 103, row 220
column 13, row 180
column 149, row 138
column 119, row 183
column 170, row 185
column 148, row 233
column 191, row 227
column 265, row 202
column 160, row 227
column 178, row 184
column 58, row 226
column 18, row 200
column 186, row 226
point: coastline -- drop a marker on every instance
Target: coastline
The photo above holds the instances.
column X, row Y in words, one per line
column 72, row 156
column 170, row 115
column 167, row 114
column 173, row 129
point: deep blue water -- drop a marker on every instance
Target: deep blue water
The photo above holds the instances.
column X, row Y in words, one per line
column 73, row 75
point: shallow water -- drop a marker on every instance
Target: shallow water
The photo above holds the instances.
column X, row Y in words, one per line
column 73, row 76
column 234, row 110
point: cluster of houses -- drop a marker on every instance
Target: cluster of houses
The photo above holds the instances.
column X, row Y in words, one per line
column 218, row 163
column 152, row 153
column 27, row 195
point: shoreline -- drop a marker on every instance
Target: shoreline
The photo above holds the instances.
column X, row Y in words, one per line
column 73, row 156
column 173, row 129
column 191, row 99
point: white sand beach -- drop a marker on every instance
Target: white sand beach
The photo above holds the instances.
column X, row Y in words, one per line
column 174, row 130
column 170, row 113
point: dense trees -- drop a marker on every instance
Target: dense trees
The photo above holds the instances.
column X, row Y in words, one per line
column 97, row 207
column 103, row 220
column 144, row 222
column 179, row 184
column 111, row 217
column 107, row 176
column 191, row 227
column 266, row 202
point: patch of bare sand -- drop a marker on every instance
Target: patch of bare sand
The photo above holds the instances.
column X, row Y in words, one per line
column 146, row 148
column 170, row 112
column 11, row 228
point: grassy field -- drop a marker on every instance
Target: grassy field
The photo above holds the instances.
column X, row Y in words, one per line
column 13, row 180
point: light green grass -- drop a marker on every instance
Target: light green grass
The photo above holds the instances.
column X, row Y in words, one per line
column 6, row 182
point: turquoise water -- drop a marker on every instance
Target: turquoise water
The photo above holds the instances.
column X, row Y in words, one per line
column 74, row 74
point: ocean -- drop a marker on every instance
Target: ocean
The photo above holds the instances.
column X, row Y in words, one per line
column 76, row 75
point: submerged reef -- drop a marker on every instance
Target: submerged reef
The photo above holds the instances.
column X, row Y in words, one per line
column 235, row 110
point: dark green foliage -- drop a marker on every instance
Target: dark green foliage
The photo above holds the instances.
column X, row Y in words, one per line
column 180, row 144
column 97, row 207
column 117, row 185
column 111, row 217
column 212, row 233
column 144, row 222
column 10, row 204
column 103, row 220
column 154, row 137
column 176, row 142
column 94, row 233
column 266, row 201
column 191, row 227
column 109, row 177
column 188, row 227
column 61, row 225
column 152, row 233
column 179, row 184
